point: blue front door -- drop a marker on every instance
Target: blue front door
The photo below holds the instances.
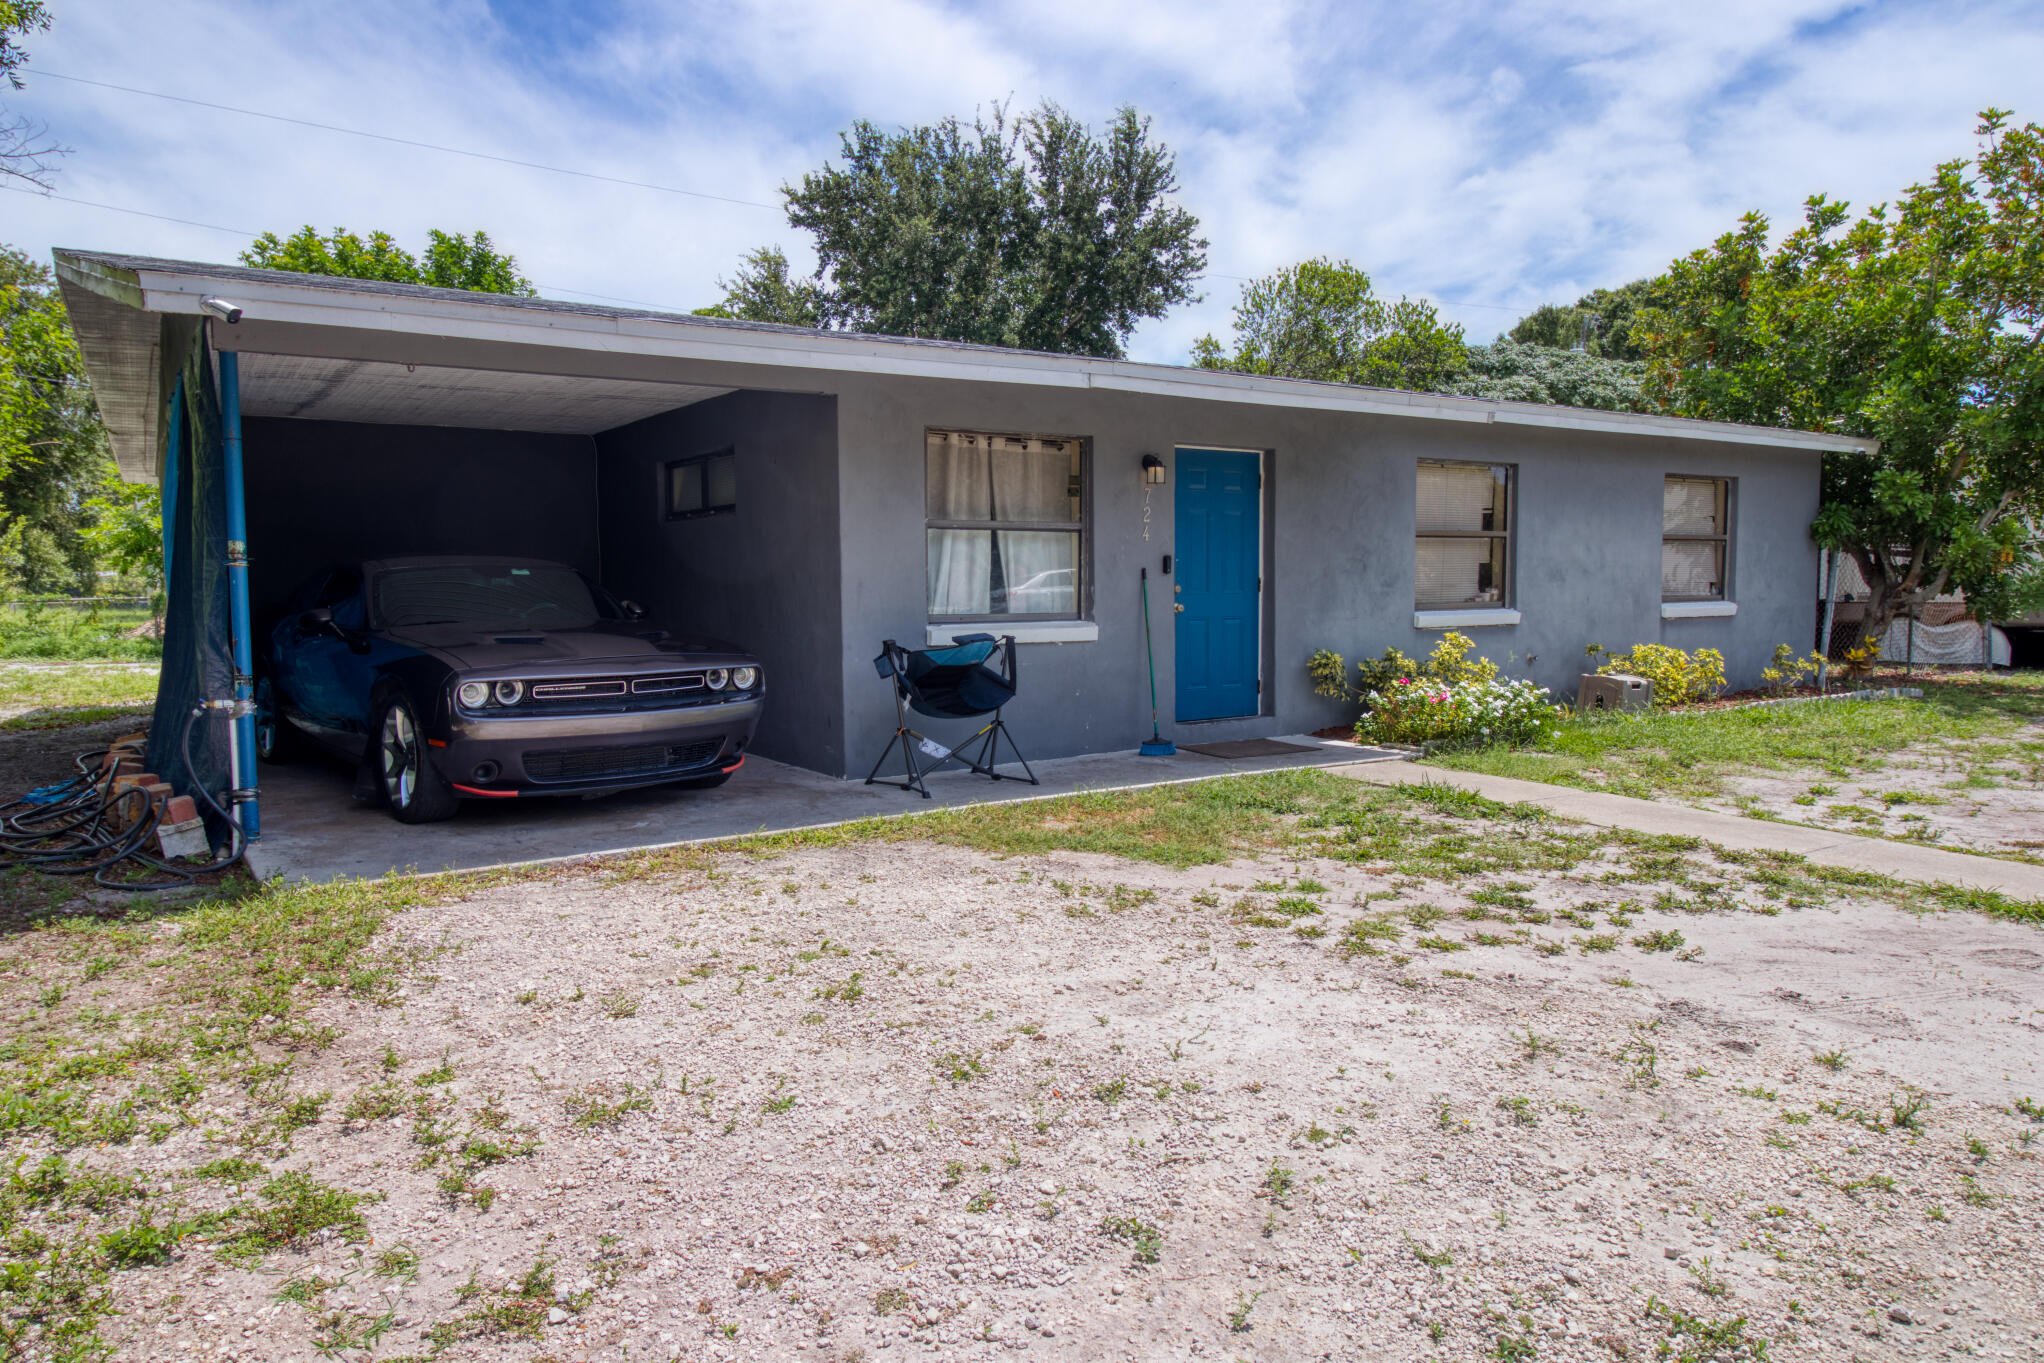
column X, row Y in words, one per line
column 1216, row 582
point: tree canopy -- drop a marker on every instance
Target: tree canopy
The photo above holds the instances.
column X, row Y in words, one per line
column 1601, row 321
column 764, row 292
column 53, row 453
column 1918, row 325
column 450, row 260
column 1032, row 233
column 1515, row 371
column 1322, row 319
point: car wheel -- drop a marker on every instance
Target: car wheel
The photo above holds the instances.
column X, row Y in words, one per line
column 275, row 739
column 414, row 790
column 704, row 782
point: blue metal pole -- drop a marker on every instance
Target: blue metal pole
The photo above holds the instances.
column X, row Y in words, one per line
column 173, row 452
column 237, row 596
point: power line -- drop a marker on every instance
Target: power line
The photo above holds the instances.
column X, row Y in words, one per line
column 402, row 141
column 134, row 212
column 244, row 232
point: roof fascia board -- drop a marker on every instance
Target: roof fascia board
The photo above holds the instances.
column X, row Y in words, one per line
column 678, row 338
column 123, row 286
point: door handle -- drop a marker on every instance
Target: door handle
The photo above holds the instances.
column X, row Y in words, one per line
column 1178, row 608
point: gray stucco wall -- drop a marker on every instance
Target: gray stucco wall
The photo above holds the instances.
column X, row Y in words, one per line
column 323, row 492
column 1338, row 550
column 764, row 577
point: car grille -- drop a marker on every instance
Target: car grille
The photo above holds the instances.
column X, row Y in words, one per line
column 609, row 764
column 609, row 695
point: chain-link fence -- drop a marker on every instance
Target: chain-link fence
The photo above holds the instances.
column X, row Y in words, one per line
column 1933, row 633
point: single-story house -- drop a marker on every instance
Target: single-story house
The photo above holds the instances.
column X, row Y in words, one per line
column 807, row 494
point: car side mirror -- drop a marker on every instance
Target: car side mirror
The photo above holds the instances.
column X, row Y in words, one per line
column 633, row 610
column 319, row 620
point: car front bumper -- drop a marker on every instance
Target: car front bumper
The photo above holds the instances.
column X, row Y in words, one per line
column 513, row 755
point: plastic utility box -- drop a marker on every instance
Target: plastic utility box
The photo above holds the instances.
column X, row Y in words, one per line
column 1599, row 691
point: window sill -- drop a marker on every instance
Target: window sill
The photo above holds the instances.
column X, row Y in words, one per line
column 1697, row 610
column 1463, row 619
column 1025, row 631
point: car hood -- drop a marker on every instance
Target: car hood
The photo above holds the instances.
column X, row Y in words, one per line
column 608, row 641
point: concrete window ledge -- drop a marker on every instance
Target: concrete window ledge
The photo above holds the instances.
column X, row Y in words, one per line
column 1697, row 610
column 1462, row 619
column 1025, row 631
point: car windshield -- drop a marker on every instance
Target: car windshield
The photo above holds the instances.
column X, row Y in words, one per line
column 538, row 597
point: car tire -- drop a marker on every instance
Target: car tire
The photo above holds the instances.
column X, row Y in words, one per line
column 276, row 741
column 703, row 782
column 413, row 789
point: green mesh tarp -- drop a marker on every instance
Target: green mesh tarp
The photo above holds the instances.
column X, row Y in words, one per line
column 197, row 650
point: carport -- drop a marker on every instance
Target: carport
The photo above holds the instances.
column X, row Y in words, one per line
column 293, row 424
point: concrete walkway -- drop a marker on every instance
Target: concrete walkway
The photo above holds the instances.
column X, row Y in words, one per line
column 1902, row 860
column 314, row 830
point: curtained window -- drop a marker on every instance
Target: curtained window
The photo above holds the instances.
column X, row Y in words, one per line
column 1693, row 538
column 1463, row 550
column 1004, row 518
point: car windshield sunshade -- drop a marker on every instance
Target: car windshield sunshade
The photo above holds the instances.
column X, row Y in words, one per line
column 486, row 594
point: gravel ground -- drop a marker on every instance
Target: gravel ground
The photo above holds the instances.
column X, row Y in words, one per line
column 881, row 1099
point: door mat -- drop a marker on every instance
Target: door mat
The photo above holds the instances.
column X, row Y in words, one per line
column 1246, row 747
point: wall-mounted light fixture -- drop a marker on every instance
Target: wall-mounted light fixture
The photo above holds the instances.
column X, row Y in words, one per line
column 1153, row 471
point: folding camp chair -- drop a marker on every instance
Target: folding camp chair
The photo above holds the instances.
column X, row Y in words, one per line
column 949, row 683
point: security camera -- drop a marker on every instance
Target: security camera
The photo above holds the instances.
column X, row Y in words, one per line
column 221, row 308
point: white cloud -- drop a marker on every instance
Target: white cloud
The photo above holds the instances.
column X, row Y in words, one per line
column 1492, row 156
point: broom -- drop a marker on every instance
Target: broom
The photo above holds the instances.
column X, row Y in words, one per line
column 1156, row 745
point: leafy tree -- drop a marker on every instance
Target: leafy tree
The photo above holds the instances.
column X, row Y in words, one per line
column 53, row 453
column 1321, row 319
column 25, row 147
column 127, row 530
column 1030, row 233
column 451, row 260
column 1514, row 371
column 763, row 292
column 1918, row 325
column 1601, row 321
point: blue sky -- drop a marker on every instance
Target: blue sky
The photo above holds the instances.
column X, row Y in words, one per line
column 1488, row 156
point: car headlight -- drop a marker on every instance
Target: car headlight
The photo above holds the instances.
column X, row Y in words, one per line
column 744, row 677
column 509, row 692
column 717, row 678
column 474, row 695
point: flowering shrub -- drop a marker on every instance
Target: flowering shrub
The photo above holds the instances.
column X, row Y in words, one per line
column 1678, row 677
column 1448, row 665
column 1479, row 711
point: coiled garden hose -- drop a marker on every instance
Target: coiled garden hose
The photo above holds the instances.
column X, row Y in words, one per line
column 79, row 827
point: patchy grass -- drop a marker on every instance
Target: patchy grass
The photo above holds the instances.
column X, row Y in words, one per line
column 33, row 697
column 78, row 634
column 1690, row 754
column 206, row 1021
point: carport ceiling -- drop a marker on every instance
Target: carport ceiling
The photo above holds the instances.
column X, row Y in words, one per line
column 430, row 395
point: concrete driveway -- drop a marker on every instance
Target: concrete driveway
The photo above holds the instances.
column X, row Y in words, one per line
column 313, row 829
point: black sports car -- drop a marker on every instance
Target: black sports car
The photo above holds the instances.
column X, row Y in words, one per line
column 493, row 678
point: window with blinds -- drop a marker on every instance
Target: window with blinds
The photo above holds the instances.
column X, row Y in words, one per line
column 1694, row 538
column 1004, row 517
column 1463, row 553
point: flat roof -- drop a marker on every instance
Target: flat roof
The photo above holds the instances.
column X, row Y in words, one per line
column 111, row 297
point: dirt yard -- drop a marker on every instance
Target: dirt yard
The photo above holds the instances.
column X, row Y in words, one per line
column 1408, row 1083
column 1981, row 795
